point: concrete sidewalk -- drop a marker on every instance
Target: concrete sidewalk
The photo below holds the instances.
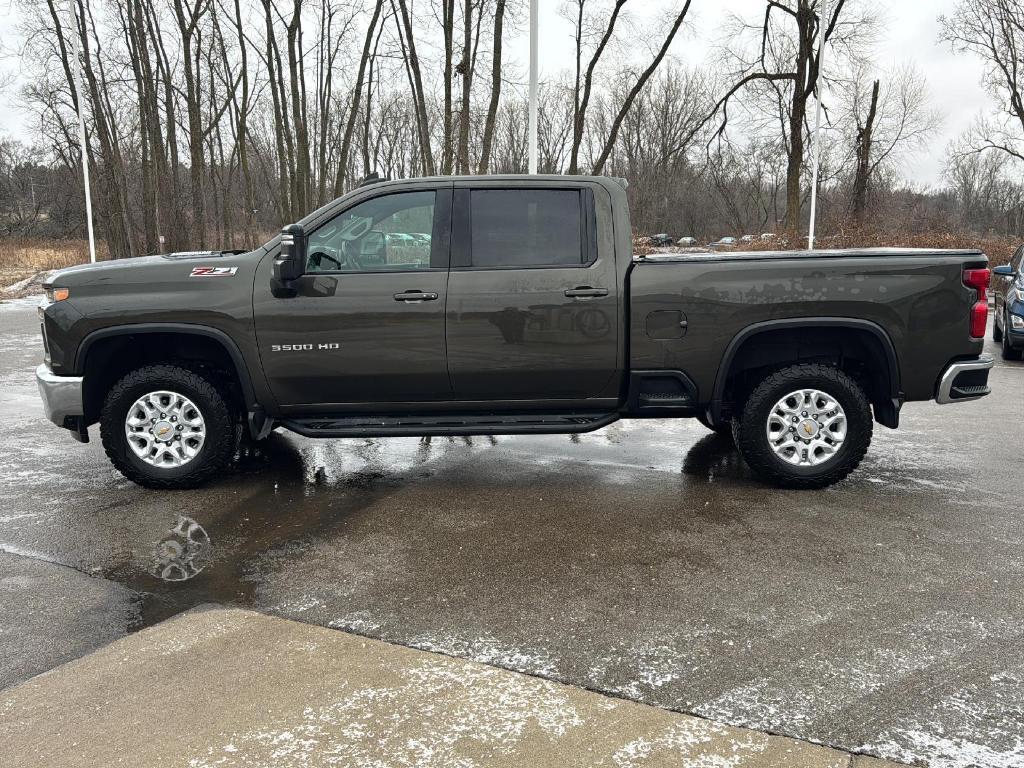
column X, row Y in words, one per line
column 227, row 687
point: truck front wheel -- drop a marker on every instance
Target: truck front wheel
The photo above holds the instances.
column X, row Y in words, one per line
column 806, row 426
column 166, row 427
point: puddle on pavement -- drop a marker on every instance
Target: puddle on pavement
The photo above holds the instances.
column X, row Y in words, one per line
column 290, row 492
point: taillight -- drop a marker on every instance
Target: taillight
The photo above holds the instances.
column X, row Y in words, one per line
column 978, row 280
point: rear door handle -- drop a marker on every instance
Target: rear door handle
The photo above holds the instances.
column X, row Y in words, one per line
column 415, row 296
column 585, row 291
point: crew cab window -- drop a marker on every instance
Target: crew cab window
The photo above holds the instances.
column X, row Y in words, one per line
column 385, row 234
column 525, row 228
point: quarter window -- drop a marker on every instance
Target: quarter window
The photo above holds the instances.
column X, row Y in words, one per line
column 525, row 228
column 386, row 234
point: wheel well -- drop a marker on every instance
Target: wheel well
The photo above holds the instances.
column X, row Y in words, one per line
column 858, row 352
column 109, row 359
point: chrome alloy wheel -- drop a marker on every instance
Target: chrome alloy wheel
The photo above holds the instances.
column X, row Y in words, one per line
column 806, row 428
column 165, row 429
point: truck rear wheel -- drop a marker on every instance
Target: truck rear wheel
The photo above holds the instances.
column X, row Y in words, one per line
column 166, row 427
column 806, row 426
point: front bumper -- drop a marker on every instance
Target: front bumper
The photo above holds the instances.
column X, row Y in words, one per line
column 62, row 397
column 965, row 380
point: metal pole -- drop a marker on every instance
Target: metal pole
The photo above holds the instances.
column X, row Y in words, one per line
column 533, row 86
column 822, row 26
column 77, row 72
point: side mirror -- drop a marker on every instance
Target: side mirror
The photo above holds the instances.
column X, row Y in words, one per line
column 290, row 264
column 1004, row 271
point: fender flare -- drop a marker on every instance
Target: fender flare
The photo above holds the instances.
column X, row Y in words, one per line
column 853, row 323
column 192, row 329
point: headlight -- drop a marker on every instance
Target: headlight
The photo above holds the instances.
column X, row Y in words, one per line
column 57, row 294
column 1017, row 322
column 1017, row 294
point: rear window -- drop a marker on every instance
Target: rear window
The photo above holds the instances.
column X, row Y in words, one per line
column 525, row 228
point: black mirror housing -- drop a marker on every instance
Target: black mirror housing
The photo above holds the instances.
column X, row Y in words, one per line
column 290, row 264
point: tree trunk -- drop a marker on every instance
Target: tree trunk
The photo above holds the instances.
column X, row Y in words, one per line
column 583, row 101
column 354, row 104
column 448, row 31
column 300, row 180
column 465, row 69
column 492, row 107
column 863, row 173
column 413, row 65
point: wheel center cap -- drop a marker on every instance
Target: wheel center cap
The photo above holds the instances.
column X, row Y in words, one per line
column 808, row 429
column 163, row 430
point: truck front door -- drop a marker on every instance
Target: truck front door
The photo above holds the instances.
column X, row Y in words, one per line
column 532, row 295
column 365, row 324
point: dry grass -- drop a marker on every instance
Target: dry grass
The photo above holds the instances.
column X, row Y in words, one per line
column 23, row 257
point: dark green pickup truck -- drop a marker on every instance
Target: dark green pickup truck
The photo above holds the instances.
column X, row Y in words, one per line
column 504, row 305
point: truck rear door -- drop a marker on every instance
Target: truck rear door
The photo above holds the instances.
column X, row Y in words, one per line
column 532, row 308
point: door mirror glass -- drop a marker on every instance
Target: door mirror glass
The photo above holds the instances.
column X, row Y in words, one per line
column 291, row 262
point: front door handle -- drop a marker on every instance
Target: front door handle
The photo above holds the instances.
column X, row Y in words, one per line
column 585, row 291
column 415, row 296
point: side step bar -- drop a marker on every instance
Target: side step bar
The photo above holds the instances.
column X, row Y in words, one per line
column 463, row 425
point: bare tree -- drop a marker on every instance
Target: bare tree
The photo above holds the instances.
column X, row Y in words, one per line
column 994, row 31
column 784, row 63
column 888, row 122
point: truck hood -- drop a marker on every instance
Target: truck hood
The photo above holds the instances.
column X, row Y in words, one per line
column 132, row 268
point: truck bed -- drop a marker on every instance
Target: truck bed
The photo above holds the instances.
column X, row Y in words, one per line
column 913, row 298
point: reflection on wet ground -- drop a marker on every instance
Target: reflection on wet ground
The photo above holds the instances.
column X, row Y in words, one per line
column 882, row 615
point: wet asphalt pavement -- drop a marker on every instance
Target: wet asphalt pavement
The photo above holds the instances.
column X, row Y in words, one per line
column 884, row 615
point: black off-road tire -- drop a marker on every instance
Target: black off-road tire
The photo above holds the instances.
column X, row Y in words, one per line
column 218, row 446
column 752, row 442
column 723, row 428
column 997, row 332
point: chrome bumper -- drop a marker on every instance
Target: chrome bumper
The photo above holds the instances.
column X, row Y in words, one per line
column 62, row 395
column 965, row 380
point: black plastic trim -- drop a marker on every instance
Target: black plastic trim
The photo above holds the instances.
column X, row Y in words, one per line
column 887, row 414
column 138, row 329
column 639, row 402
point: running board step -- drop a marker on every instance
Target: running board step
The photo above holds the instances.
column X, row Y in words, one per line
column 463, row 425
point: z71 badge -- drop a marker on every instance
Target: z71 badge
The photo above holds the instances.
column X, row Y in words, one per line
column 213, row 271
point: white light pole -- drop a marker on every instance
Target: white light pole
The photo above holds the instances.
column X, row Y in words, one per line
column 533, row 86
column 822, row 26
column 77, row 73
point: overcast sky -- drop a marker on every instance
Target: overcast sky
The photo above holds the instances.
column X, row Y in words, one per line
column 909, row 34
